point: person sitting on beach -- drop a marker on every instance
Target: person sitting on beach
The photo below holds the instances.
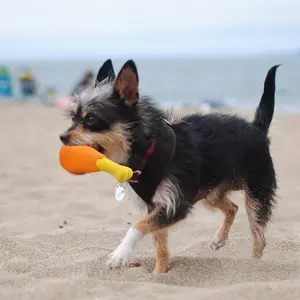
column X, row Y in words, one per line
column 85, row 82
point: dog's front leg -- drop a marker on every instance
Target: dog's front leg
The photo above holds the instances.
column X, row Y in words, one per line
column 162, row 253
column 124, row 253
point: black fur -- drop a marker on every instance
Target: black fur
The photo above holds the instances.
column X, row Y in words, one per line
column 265, row 110
column 105, row 72
column 214, row 151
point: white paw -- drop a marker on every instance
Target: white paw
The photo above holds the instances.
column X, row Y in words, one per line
column 125, row 251
column 121, row 256
column 217, row 243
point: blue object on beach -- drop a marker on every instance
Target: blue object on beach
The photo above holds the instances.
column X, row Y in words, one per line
column 5, row 83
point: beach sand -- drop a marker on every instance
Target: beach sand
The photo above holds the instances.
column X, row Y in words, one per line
column 56, row 229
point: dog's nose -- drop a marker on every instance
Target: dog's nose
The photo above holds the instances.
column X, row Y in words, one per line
column 64, row 137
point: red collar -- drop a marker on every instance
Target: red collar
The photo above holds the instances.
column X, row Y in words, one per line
column 137, row 173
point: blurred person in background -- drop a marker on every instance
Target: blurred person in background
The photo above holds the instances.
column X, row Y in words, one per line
column 27, row 84
column 86, row 81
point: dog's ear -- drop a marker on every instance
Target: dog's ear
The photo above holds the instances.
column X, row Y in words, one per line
column 127, row 83
column 106, row 71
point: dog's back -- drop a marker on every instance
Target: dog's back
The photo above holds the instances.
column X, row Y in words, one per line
column 226, row 144
column 233, row 154
column 230, row 147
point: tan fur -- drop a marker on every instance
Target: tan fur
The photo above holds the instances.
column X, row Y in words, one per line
column 217, row 199
column 229, row 209
column 114, row 141
column 259, row 241
column 78, row 131
column 146, row 226
column 161, row 248
column 127, row 85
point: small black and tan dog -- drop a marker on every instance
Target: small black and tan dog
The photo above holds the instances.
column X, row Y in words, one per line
column 178, row 162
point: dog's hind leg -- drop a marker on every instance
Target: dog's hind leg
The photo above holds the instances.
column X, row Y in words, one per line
column 218, row 200
column 259, row 210
column 260, row 198
column 256, row 227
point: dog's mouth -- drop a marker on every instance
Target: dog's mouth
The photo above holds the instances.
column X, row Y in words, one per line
column 97, row 147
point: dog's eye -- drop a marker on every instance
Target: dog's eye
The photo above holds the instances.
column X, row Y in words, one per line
column 93, row 123
column 90, row 120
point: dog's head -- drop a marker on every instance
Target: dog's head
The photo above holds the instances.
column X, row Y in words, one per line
column 103, row 115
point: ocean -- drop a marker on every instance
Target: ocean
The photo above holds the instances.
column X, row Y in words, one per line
column 235, row 82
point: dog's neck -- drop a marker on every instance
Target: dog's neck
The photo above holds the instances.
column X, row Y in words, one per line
column 164, row 140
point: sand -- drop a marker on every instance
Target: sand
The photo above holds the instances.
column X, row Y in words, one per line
column 56, row 230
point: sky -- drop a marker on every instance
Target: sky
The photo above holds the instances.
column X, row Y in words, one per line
column 95, row 28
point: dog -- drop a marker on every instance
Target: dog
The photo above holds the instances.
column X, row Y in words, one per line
column 178, row 162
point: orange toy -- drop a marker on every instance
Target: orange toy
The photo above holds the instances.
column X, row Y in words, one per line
column 84, row 159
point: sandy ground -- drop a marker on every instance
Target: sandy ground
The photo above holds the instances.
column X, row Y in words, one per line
column 56, row 230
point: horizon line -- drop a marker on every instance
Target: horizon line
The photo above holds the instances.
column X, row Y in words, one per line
column 156, row 56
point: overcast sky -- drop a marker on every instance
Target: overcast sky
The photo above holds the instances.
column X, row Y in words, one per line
column 53, row 28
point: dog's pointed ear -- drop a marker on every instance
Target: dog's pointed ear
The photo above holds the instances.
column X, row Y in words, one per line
column 127, row 83
column 106, row 71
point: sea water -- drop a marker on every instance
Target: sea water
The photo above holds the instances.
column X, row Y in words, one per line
column 234, row 82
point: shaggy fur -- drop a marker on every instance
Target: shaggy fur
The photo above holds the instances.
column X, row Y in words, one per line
column 200, row 157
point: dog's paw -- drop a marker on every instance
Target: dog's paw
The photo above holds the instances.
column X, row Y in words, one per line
column 160, row 270
column 121, row 256
column 217, row 243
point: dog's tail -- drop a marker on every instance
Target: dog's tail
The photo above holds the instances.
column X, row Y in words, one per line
column 265, row 109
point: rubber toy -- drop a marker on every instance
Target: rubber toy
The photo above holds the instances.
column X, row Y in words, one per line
column 81, row 159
